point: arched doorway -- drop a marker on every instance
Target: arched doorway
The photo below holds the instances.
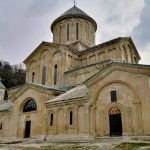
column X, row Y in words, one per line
column 29, row 106
column 27, row 129
column 115, row 122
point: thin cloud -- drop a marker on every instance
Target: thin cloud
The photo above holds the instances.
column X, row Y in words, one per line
column 25, row 24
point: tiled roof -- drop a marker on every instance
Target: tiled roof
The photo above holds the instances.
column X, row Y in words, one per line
column 74, row 12
column 61, row 89
column 80, row 91
column 6, row 106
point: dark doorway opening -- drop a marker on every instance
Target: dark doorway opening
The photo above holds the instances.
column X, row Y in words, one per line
column 115, row 122
column 27, row 129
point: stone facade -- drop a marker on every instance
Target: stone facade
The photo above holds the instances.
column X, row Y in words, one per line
column 76, row 88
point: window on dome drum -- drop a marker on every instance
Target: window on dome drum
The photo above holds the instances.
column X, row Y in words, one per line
column 44, row 75
column 30, row 105
column 1, row 126
column 51, row 119
column 55, row 74
column 60, row 35
column 68, row 31
column 33, row 75
column 77, row 31
column 71, row 118
column 113, row 96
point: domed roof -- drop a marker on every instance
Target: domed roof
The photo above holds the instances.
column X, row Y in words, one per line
column 74, row 12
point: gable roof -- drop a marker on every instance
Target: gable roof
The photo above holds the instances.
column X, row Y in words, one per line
column 48, row 44
column 110, row 42
column 44, row 88
column 114, row 65
column 6, row 106
column 80, row 91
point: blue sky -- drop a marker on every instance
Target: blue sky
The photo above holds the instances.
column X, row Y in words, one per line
column 25, row 24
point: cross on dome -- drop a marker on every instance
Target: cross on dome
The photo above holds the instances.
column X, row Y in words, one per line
column 75, row 3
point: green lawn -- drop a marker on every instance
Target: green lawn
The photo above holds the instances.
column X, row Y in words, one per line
column 65, row 148
column 132, row 146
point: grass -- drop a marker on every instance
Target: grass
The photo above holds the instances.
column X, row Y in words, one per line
column 132, row 146
column 122, row 146
column 64, row 148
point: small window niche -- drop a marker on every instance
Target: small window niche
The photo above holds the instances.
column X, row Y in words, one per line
column 51, row 119
column 113, row 95
column 71, row 118
column 1, row 126
column 33, row 76
column 55, row 74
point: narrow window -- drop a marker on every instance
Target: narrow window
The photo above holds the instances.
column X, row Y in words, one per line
column 113, row 96
column 55, row 74
column 71, row 118
column 33, row 75
column 44, row 75
column 1, row 126
column 60, row 35
column 6, row 95
column 77, row 31
column 67, row 31
column 51, row 119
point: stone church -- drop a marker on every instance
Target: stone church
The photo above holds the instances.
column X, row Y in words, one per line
column 79, row 89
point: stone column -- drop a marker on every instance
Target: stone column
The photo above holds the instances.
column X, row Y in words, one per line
column 139, row 117
column 76, row 120
column 56, row 121
column 37, row 75
column 101, row 125
column 65, row 122
column 87, row 120
column 129, row 121
column 46, row 118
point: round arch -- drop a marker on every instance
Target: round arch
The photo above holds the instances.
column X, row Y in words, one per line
column 136, row 97
column 122, row 110
column 28, row 103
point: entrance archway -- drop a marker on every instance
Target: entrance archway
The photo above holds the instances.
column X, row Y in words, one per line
column 27, row 129
column 115, row 122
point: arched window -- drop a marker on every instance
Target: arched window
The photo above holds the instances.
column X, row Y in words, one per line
column 71, row 118
column 55, row 74
column 68, row 31
column 60, row 35
column 44, row 75
column 30, row 105
column 33, row 76
column 51, row 119
column 77, row 31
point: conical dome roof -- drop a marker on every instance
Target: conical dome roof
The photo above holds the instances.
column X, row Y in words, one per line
column 74, row 12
